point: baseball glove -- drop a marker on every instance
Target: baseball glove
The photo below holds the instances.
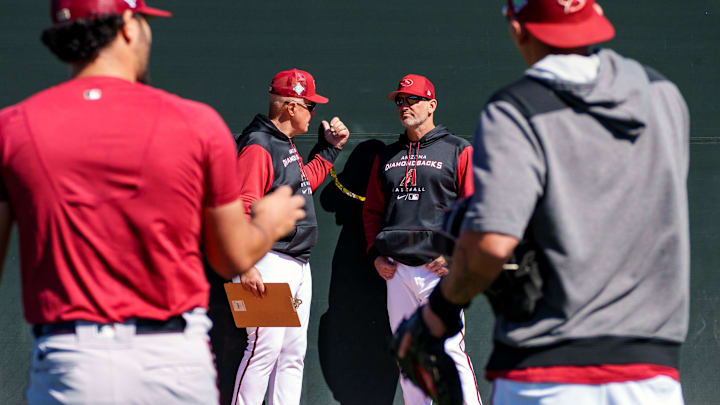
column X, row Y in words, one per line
column 426, row 364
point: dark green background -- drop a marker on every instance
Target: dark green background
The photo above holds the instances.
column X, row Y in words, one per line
column 224, row 53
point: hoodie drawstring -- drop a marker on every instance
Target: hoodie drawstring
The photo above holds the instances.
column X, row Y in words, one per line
column 300, row 166
column 408, row 171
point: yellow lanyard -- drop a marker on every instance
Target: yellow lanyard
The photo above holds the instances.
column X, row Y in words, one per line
column 343, row 188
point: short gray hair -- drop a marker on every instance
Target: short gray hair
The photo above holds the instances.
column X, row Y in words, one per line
column 277, row 102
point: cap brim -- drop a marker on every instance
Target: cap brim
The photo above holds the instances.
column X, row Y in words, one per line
column 317, row 99
column 592, row 31
column 153, row 12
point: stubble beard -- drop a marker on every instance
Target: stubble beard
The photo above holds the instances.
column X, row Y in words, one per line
column 412, row 122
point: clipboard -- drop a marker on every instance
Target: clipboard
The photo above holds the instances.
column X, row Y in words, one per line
column 276, row 308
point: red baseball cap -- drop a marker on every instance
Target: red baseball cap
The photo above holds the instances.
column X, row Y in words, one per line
column 416, row 85
column 71, row 10
column 296, row 83
column 562, row 23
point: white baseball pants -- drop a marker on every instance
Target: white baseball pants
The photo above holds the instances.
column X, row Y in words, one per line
column 406, row 291
column 654, row 391
column 111, row 365
column 275, row 357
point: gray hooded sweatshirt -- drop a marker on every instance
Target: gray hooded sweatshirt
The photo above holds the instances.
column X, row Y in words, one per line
column 587, row 158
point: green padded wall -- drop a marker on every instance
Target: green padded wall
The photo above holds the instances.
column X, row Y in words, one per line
column 224, row 53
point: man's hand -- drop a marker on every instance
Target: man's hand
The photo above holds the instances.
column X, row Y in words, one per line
column 385, row 268
column 438, row 266
column 278, row 212
column 336, row 133
column 252, row 281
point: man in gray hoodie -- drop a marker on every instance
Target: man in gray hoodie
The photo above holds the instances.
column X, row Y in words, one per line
column 580, row 173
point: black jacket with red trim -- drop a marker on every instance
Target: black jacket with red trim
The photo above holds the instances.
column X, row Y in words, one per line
column 268, row 159
column 411, row 186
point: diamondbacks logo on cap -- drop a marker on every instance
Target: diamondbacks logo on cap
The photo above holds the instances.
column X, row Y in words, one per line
column 299, row 89
column 131, row 3
column 572, row 6
column 406, row 82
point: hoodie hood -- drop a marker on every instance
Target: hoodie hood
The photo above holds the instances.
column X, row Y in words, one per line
column 262, row 123
column 613, row 89
column 431, row 137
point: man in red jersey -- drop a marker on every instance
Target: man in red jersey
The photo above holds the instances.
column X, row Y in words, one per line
column 111, row 183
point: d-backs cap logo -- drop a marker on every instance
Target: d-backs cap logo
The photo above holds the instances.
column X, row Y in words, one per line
column 406, row 82
column 299, row 89
column 300, row 84
column 131, row 3
column 572, row 6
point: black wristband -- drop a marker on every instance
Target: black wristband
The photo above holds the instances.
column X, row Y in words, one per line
column 448, row 312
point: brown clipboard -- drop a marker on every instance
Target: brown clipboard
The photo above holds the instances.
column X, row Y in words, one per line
column 275, row 308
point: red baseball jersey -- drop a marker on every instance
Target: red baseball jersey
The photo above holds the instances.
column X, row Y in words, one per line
column 107, row 180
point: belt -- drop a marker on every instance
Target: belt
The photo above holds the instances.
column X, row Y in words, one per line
column 142, row 325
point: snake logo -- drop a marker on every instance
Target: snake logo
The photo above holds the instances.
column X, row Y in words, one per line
column 572, row 6
column 410, row 179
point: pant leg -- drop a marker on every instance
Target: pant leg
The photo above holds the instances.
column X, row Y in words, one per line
column 286, row 386
column 455, row 348
column 264, row 344
column 177, row 368
column 62, row 373
column 401, row 303
column 658, row 390
column 455, row 345
column 261, row 354
column 113, row 365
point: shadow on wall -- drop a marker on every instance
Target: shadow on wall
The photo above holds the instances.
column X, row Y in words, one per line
column 354, row 332
column 228, row 342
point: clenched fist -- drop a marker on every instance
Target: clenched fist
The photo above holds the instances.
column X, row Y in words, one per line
column 336, row 133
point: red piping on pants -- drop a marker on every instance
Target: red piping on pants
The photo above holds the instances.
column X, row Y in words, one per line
column 477, row 391
column 237, row 392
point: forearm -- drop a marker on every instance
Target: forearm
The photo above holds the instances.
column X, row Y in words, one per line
column 232, row 243
column 317, row 170
column 477, row 261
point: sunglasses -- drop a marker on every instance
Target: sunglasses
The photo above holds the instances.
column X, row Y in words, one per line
column 310, row 107
column 410, row 100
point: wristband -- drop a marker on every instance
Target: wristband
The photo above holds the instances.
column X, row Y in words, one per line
column 448, row 312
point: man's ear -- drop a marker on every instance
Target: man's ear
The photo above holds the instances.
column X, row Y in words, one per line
column 291, row 108
column 433, row 105
column 517, row 32
column 129, row 29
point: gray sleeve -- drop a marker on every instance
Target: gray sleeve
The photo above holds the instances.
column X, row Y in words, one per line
column 508, row 170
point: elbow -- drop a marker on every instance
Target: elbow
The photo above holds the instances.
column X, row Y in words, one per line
column 494, row 246
column 220, row 267
column 228, row 269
